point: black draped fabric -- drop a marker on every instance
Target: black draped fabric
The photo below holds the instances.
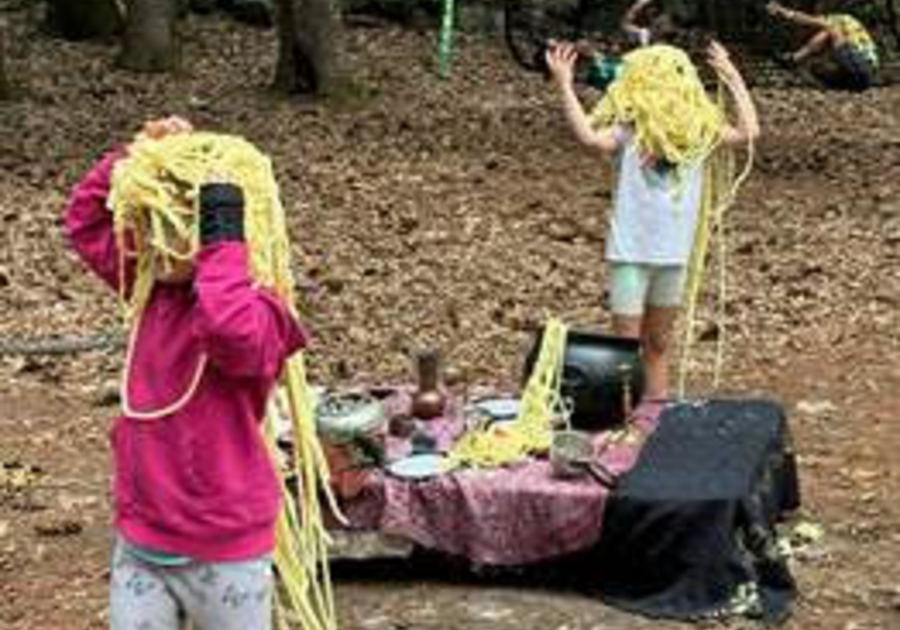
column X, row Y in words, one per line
column 692, row 525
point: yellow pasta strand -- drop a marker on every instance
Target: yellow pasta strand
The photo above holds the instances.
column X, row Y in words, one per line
column 504, row 443
column 720, row 188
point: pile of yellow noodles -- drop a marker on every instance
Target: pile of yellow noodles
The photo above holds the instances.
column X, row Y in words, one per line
column 504, row 443
column 153, row 197
column 660, row 96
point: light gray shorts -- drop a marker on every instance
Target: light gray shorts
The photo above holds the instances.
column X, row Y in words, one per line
column 633, row 286
column 211, row 595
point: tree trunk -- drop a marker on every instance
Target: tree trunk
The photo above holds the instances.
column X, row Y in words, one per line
column 5, row 87
column 308, row 55
column 893, row 19
column 85, row 19
column 150, row 44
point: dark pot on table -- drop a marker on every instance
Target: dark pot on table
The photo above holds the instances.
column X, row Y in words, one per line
column 602, row 375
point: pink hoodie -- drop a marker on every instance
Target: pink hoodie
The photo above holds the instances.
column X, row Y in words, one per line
column 198, row 482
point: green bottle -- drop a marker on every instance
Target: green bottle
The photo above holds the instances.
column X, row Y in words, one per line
column 603, row 71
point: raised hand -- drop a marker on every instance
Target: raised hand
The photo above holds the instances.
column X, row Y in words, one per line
column 561, row 62
column 718, row 58
column 161, row 127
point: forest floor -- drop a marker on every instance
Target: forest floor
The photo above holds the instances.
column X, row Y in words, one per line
column 454, row 214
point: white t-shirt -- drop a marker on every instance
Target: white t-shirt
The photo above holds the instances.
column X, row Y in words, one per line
column 654, row 216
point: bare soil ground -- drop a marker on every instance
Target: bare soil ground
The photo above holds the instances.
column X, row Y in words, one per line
column 456, row 214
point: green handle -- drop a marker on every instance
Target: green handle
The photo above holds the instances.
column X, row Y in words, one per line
column 445, row 46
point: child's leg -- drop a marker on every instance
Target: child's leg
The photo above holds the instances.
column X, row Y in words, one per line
column 226, row 595
column 627, row 294
column 627, row 326
column 656, row 342
column 628, row 284
column 664, row 297
column 139, row 597
column 819, row 43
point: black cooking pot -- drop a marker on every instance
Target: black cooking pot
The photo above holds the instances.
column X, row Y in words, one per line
column 596, row 369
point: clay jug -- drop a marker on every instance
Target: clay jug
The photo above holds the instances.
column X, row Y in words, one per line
column 428, row 402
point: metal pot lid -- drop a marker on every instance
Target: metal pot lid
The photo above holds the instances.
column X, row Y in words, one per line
column 341, row 417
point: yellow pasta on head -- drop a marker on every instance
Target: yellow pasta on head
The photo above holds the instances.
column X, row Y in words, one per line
column 154, row 197
column 661, row 97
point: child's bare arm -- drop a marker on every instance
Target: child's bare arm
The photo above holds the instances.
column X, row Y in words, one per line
column 746, row 127
column 797, row 17
column 561, row 60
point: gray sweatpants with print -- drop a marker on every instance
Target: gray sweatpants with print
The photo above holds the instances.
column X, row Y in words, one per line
column 211, row 596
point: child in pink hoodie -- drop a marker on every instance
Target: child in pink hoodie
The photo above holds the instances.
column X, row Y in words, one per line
column 196, row 495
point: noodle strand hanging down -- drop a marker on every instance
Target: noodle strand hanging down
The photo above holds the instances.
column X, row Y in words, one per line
column 532, row 430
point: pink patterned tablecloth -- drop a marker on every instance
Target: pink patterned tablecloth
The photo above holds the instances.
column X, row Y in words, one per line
column 509, row 516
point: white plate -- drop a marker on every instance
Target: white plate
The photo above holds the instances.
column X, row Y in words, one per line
column 417, row 466
column 499, row 408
